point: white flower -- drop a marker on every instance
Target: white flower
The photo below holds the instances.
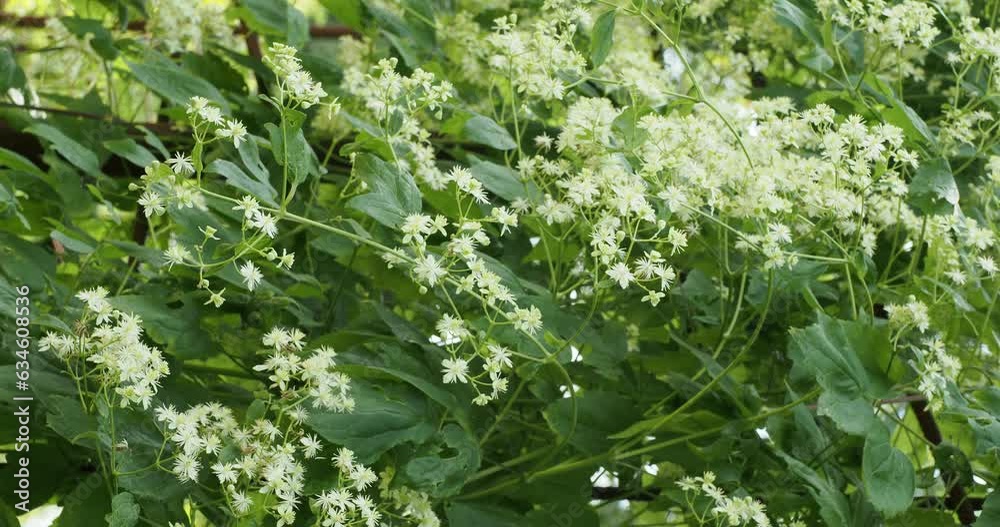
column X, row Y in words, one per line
column 251, row 275
column 344, row 459
column 988, row 265
column 429, row 270
column 452, row 329
column 620, row 273
column 176, row 254
column 265, row 222
column 152, row 203
column 500, row 355
column 249, row 206
column 241, row 503
column 310, row 446
column 528, row 320
column 233, row 130
column 186, row 467
column 455, row 370
column 181, row 164
column 653, row 297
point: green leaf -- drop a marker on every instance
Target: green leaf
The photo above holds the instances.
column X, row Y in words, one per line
column 276, row 17
column 933, row 189
column 172, row 82
column 394, row 195
column 833, row 505
column 288, row 143
column 101, row 40
column 792, row 16
column 843, row 357
column 599, row 415
column 11, row 75
column 15, row 161
column 124, row 511
column 440, row 474
column 903, row 116
column 486, row 131
column 499, row 180
column 72, row 244
column 178, row 328
column 385, row 416
column 250, row 156
column 77, row 154
column 347, row 11
column 990, row 516
column 237, row 178
column 887, row 472
column 134, row 152
column 478, row 514
column 407, row 368
column 87, row 503
column 68, row 419
column 602, row 38
column 923, row 518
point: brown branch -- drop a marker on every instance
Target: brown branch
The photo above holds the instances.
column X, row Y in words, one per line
column 651, row 493
column 615, row 493
column 158, row 127
column 894, row 400
column 957, row 499
column 332, row 31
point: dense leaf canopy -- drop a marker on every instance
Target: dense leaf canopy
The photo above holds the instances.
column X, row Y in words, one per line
column 497, row 263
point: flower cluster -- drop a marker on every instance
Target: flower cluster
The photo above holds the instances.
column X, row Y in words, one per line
column 112, row 341
column 460, row 266
column 311, row 377
column 898, row 24
column 936, row 368
column 736, row 511
column 532, row 58
column 206, row 117
column 293, row 81
column 396, row 103
column 181, row 25
column 269, row 462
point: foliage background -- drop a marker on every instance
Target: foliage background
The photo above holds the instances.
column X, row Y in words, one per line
column 738, row 347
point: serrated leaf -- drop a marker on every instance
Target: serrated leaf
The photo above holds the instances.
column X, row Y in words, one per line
column 288, row 143
column 394, row 195
column 250, row 156
column 124, row 511
column 842, row 356
column 887, row 472
column 443, row 475
column 602, row 38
